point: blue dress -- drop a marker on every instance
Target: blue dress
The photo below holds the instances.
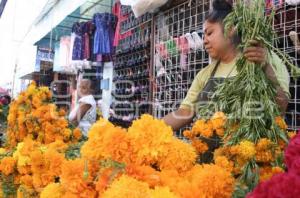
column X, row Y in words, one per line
column 104, row 35
column 77, row 49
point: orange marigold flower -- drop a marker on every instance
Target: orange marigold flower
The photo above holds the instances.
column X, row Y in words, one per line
column 292, row 134
column 281, row 123
column 264, row 144
column 223, row 162
column 266, row 172
column 76, row 178
column 144, row 173
column 127, row 187
column 204, row 182
column 148, row 137
column 164, row 192
column 264, row 156
column 104, row 180
column 53, row 190
column 188, row 134
column 200, row 146
column 276, row 170
column 26, row 180
column 220, row 132
column 218, row 121
column 179, row 156
column 77, row 134
column 7, row 165
column 203, row 128
column 62, row 112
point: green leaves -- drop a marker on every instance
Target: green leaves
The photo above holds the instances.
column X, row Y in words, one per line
column 73, row 151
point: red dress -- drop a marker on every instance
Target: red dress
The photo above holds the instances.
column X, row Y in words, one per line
column 116, row 10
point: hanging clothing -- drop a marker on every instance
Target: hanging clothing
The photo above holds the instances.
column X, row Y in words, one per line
column 87, row 31
column 76, row 55
column 73, row 36
column 103, row 38
column 120, row 17
column 64, row 51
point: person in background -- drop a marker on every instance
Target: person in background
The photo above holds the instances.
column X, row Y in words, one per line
column 85, row 112
column 5, row 100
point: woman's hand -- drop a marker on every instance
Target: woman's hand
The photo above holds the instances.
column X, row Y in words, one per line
column 256, row 53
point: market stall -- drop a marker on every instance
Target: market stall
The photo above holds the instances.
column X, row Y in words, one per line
column 146, row 65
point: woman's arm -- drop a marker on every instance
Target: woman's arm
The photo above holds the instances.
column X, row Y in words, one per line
column 281, row 97
column 82, row 110
column 179, row 118
column 258, row 54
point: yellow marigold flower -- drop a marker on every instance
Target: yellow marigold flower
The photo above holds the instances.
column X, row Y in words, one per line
column 53, row 190
column 127, row 187
column 2, row 151
column 164, row 192
column 246, row 150
column 281, row 123
column 7, row 165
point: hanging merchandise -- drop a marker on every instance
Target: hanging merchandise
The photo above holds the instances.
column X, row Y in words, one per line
column 295, row 39
column 140, row 7
column 63, row 59
column 104, row 34
column 293, row 2
column 87, row 41
column 286, row 19
column 77, row 48
column 121, row 17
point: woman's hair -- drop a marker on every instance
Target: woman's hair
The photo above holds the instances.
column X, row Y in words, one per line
column 220, row 9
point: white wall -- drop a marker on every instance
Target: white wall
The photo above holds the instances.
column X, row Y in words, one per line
column 107, row 94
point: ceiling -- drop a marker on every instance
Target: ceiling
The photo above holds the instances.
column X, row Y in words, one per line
column 83, row 13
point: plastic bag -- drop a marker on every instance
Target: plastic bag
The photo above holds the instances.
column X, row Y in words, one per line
column 140, row 7
column 293, row 2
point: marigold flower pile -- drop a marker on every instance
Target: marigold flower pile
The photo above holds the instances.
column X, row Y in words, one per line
column 145, row 160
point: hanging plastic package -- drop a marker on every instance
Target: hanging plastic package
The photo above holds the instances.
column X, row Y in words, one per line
column 140, row 7
column 293, row 2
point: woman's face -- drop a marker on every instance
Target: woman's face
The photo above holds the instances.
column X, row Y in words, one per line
column 215, row 42
column 84, row 88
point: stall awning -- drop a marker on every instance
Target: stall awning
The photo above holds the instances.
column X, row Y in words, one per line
column 52, row 14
